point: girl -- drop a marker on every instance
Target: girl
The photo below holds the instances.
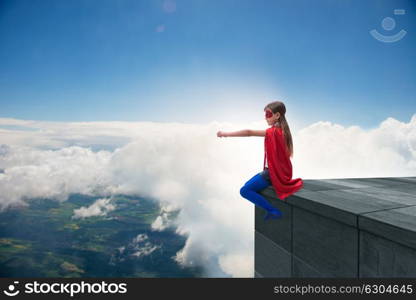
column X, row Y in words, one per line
column 278, row 148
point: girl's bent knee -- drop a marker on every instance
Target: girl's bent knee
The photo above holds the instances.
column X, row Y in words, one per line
column 243, row 191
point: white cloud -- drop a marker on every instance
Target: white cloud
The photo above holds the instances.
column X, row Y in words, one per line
column 99, row 208
column 326, row 150
column 32, row 173
column 162, row 222
column 187, row 169
column 141, row 246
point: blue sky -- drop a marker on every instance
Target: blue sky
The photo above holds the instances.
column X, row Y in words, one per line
column 199, row 61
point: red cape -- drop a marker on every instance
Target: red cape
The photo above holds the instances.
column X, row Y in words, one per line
column 279, row 164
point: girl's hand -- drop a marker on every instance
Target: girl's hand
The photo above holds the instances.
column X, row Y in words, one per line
column 221, row 134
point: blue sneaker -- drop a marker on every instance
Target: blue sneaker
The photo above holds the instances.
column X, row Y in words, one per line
column 273, row 214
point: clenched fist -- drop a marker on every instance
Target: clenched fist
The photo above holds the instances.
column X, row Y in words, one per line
column 221, row 134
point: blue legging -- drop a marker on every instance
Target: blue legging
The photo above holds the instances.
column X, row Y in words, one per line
column 250, row 189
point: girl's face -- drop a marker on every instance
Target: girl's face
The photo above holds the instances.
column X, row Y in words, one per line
column 270, row 117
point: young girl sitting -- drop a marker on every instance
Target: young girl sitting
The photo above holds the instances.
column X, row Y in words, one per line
column 277, row 167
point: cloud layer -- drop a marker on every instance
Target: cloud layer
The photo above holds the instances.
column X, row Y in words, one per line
column 186, row 168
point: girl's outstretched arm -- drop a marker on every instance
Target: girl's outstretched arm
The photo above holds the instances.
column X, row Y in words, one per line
column 244, row 132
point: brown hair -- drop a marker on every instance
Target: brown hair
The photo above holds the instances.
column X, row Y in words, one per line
column 278, row 106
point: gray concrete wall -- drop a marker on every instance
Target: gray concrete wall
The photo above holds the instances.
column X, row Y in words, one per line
column 356, row 227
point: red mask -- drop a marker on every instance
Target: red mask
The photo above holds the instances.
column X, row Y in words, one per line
column 269, row 114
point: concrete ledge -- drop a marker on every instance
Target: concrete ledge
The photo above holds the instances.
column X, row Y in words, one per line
column 354, row 227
